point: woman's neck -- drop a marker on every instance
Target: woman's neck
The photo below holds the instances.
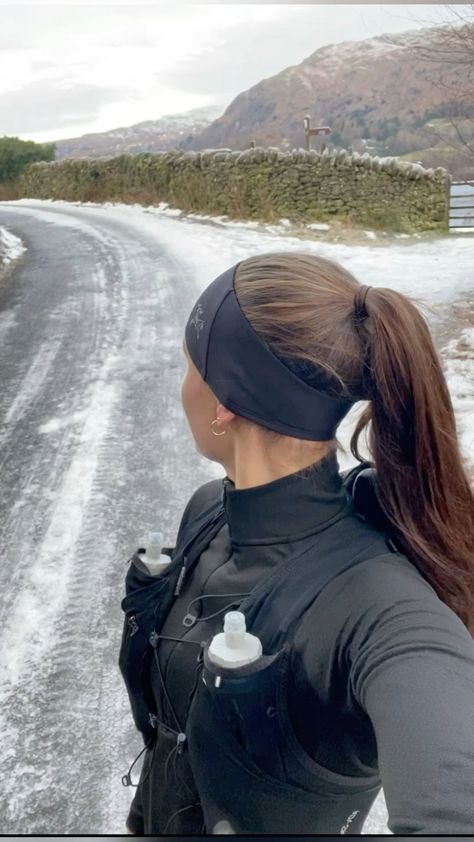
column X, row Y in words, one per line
column 250, row 467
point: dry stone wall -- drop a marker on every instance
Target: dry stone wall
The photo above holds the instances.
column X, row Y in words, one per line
column 258, row 183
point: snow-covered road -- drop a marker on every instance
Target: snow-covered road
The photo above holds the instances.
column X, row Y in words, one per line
column 95, row 450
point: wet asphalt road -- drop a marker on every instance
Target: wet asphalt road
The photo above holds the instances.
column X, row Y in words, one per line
column 91, row 431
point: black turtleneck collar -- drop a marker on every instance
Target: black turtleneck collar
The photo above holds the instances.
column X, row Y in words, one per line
column 287, row 508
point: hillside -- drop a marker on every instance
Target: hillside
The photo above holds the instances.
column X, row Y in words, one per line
column 377, row 95
column 149, row 136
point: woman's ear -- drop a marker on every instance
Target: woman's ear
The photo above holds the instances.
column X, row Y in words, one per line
column 223, row 413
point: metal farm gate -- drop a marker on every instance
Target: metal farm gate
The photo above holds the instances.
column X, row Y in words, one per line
column 461, row 204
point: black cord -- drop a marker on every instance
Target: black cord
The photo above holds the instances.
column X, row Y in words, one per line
column 196, row 679
column 175, row 748
column 127, row 777
column 183, row 809
column 192, row 619
column 211, row 616
column 141, row 782
column 179, row 777
column 178, row 639
column 167, row 727
column 208, row 595
column 180, row 730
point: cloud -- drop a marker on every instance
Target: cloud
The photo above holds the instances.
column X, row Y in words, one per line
column 241, row 56
column 41, row 106
column 85, row 68
column 132, row 42
column 42, row 65
column 252, row 50
column 13, row 42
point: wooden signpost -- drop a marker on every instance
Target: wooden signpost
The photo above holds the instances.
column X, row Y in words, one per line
column 308, row 131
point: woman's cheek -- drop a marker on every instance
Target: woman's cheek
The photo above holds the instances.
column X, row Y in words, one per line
column 184, row 389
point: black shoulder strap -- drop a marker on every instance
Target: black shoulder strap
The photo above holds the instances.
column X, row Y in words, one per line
column 196, row 537
column 274, row 607
column 349, row 477
column 360, row 483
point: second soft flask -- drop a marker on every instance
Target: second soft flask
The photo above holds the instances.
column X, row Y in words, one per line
column 235, row 646
column 242, row 682
column 154, row 560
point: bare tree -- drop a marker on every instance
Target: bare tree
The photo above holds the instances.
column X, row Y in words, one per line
column 448, row 53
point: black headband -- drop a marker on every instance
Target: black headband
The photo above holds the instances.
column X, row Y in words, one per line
column 247, row 377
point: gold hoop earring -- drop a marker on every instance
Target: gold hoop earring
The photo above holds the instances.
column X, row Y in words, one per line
column 217, row 434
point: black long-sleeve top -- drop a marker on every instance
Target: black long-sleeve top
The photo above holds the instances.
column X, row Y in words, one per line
column 383, row 670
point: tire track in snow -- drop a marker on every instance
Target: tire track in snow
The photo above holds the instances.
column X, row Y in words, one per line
column 33, row 456
column 28, row 633
column 75, row 743
column 26, row 629
column 57, row 572
column 7, row 321
column 30, row 385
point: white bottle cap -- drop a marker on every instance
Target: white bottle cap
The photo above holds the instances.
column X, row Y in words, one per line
column 234, row 621
column 234, row 629
column 154, row 544
column 153, row 559
column 235, row 647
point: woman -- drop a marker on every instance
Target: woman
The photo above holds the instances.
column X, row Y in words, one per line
column 367, row 678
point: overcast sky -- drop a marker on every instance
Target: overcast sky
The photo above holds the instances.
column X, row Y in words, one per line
column 68, row 69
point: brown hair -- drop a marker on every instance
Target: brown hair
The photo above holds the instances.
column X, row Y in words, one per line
column 302, row 306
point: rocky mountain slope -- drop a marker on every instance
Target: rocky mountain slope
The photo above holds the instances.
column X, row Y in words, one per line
column 378, row 95
column 150, row 136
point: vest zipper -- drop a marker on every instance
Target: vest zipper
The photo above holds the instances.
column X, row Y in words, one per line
column 181, row 576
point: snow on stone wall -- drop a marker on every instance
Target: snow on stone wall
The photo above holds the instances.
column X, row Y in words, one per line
column 259, row 183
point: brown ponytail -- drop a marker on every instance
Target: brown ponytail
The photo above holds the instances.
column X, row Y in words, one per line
column 302, row 306
column 421, row 481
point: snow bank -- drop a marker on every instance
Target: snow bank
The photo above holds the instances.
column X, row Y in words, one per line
column 11, row 247
column 458, row 363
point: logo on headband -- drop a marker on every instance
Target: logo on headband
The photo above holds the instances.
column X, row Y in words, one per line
column 196, row 321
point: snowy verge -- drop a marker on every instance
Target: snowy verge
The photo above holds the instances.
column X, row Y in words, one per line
column 436, row 271
column 11, row 247
column 336, row 232
column 458, row 364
